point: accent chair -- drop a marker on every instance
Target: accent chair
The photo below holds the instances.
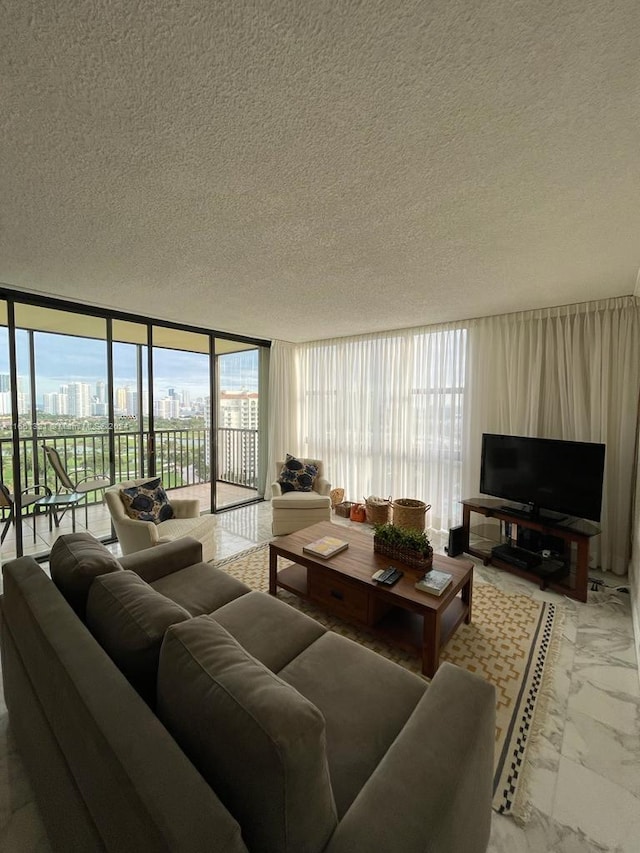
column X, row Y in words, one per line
column 135, row 535
column 295, row 510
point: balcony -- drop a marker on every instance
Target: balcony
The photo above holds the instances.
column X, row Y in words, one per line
column 180, row 460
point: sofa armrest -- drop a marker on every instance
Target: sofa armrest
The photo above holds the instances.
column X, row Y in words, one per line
column 186, row 507
column 276, row 491
column 164, row 559
column 433, row 788
column 321, row 486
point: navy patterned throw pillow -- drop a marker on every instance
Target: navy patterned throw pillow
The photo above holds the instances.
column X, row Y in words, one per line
column 297, row 476
column 147, row 502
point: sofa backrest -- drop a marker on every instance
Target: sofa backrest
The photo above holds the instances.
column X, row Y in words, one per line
column 260, row 743
column 106, row 773
column 75, row 560
column 129, row 619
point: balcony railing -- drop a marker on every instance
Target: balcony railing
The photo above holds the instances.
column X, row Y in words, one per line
column 181, row 457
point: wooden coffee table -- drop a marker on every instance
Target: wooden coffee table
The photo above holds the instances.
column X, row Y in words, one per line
column 411, row 619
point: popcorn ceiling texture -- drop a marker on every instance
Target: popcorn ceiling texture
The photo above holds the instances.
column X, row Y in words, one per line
column 301, row 170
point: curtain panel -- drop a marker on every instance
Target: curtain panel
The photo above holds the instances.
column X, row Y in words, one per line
column 384, row 412
column 283, row 408
column 567, row 373
column 401, row 414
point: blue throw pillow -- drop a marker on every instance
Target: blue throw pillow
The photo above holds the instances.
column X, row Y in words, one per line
column 147, row 502
column 297, row 476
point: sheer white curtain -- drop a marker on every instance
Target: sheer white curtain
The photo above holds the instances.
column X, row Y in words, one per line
column 571, row 373
column 384, row 412
column 283, row 410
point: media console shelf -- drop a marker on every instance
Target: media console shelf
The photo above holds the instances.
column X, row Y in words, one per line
column 571, row 531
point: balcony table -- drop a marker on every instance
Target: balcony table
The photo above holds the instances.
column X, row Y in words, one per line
column 66, row 500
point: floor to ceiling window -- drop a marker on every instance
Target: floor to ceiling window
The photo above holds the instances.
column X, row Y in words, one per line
column 62, row 420
column 130, row 399
column 181, row 411
column 120, row 396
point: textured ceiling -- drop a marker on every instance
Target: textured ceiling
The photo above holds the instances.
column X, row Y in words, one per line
column 301, row 170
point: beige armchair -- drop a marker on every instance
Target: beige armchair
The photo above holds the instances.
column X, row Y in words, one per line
column 134, row 535
column 292, row 511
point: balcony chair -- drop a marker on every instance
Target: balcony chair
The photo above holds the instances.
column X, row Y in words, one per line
column 92, row 483
column 28, row 497
column 135, row 535
column 295, row 510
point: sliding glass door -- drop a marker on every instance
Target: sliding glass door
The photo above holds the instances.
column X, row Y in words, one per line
column 238, row 369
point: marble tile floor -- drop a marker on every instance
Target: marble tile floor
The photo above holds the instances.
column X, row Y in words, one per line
column 584, row 775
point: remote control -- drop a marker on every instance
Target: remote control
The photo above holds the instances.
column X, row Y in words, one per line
column 382, row 575
column 390, row 576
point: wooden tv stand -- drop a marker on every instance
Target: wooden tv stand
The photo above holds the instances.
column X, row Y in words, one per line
column 576, row 532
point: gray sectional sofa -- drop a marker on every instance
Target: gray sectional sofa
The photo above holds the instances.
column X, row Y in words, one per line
column 161, row 705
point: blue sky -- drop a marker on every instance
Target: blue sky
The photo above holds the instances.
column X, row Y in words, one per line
column 61, row 359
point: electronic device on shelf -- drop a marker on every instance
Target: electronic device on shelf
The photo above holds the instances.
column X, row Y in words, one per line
column 561, row 477
column 516, row 556
column 537, row 564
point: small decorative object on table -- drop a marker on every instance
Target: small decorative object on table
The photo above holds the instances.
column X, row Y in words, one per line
column 337, row 496
column 358, row 513
column 377, row 509
column 325, row 547
column 434, row 582
column 343, row 509
column 409, row 513
column 411, row 547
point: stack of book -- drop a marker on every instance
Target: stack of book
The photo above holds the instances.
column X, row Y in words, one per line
column 434, row 582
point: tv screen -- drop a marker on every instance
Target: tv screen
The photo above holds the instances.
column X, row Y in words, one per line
column 561, row 476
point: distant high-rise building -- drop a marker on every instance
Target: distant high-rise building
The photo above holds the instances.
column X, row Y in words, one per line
column 238, row 453
column 131, row 403
column 101, row 389
column 56, row 403
column 239, row 410
column 79, row 399
column 167, row 407
column 120, row 402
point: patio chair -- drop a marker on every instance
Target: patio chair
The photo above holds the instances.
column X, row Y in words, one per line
column 92, row 483
column 28, row 497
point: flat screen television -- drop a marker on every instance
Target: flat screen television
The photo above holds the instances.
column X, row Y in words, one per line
column 544, row 473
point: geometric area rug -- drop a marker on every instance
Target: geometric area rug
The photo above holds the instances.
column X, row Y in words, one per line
column 512, row 642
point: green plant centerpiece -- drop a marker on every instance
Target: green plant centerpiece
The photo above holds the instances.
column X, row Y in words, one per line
column 411, row 547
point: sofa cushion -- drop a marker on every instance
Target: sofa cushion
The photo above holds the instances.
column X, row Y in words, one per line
column 257, row 741
column 200, row 588
column 304, row 501
column 365, row 700
column 297, row 476
column 147, row 502
column 75, row 560
column 270, row 630
column 129, row 620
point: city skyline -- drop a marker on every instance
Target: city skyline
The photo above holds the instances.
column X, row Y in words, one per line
column 62, row 360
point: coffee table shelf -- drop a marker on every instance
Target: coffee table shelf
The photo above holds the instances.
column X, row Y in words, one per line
column 294, row 579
